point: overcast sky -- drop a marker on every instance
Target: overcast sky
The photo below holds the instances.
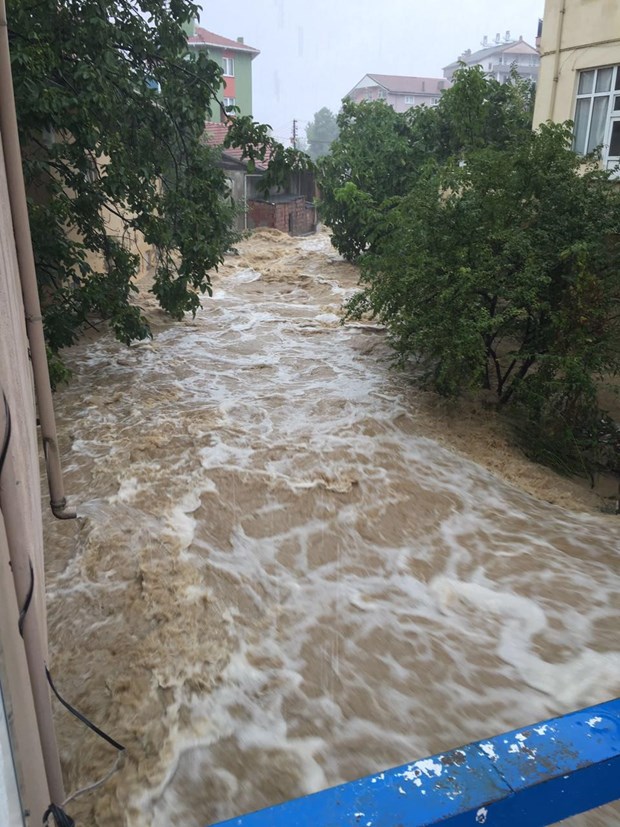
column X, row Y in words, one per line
column 313, row 53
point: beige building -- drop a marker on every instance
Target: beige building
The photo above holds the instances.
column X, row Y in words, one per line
column 580, row 73
column 399, row 91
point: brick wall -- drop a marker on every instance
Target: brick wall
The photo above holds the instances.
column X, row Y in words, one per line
column 297, row 216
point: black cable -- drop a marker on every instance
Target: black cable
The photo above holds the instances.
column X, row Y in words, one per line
column 7, row 431
column 27, row 601
column 81, row 717
column 61, row 819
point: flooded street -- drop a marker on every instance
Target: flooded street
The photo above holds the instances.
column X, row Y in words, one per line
column 280, row 580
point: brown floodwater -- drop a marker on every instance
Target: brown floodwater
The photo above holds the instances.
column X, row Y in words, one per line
column 283, row 577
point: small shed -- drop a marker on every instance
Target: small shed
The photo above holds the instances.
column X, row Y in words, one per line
column 289, row 213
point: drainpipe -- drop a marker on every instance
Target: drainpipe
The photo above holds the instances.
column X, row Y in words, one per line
column 28, row 278
column 556, row 61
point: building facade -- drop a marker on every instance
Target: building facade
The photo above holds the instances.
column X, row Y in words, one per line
column 399, row 91
column 235, row 57
column 498, row 57
column 580, row 73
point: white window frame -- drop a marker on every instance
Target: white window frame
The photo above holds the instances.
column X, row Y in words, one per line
column 228, row 65
column 410, row 100
column 584, row 144
column 228, row 102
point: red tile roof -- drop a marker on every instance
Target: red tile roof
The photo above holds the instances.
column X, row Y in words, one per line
column 203, row 37
column 216, row 132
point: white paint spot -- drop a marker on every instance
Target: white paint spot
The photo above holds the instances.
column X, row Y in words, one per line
column 401, row 791
column 417, row 782
column 541, row 729
column 594, row 721
column 481, row 815
column 489, row 750
column 520, row 737
column 429, row 767
column 359, row 815
column 513, row 748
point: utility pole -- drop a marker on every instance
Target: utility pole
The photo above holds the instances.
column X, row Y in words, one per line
column 294, row 136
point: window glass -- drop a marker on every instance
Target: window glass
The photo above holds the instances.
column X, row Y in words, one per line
column 582, row 114
column 603, row 80
column 617, row 103
column 599, row 120
column 614, row 144
column 617, row 79
column 586, row 83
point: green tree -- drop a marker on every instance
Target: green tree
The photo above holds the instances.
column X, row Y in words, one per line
column 111, row 114
column 501, row 273
column 380, row 154
column 321, row 132
column 371, row 161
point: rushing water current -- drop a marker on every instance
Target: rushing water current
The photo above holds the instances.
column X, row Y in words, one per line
column 277, row 583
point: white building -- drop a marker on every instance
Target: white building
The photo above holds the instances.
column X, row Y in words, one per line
column 498, row 57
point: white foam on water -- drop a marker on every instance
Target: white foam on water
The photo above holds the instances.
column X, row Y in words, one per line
column 297, row 587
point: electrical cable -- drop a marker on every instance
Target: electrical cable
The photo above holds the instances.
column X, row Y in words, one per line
column 61, row 819
column 7, row 431
column 81, row 717
column 27, row 601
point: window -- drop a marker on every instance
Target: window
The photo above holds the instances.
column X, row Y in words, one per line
column 382, row 94
column 228, row 102
column 409, row 99
column 228, row 65
column 597, row 112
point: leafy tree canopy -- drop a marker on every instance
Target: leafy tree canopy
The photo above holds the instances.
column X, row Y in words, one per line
column 321, row 132
column 380, row 153
column 111, row 112
column 490, row 254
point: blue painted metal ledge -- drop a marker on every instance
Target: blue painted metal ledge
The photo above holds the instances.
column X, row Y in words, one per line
column 533, row 776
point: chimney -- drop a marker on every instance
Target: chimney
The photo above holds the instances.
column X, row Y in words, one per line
column 485, row 41
column 497, row 38
column 507, row 37
column 240, row 40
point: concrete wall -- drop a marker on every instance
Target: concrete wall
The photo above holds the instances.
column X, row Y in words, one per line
column 588, row 37
column 22, row 487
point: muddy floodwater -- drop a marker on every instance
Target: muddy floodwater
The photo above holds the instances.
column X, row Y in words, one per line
column 283, row 577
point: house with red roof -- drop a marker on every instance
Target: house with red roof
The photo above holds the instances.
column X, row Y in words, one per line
column 401, row 92
column 235, row 57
